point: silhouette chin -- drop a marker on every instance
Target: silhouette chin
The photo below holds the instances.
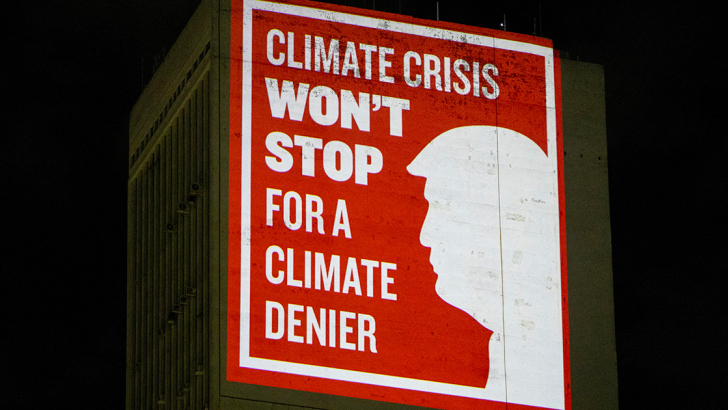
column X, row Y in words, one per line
column 448, row 298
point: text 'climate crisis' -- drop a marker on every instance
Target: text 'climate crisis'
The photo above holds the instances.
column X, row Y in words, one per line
column 441, row 73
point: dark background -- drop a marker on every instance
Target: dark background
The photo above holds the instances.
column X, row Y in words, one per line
column 73, row 69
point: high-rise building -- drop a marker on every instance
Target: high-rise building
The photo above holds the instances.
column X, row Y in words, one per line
column 339, row 208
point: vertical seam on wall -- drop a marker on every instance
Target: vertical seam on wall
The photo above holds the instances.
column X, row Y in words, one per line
column 500, row 242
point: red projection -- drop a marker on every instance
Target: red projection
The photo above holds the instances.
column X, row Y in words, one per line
column 395, row 229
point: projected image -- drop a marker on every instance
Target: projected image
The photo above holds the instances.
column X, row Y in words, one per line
column 394, row 211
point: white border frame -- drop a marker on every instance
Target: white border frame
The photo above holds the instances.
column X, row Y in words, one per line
column 245, row 180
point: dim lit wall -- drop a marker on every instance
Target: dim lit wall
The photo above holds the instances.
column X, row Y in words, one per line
column 588, row 237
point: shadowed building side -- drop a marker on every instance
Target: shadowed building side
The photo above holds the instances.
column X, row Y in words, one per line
column 168, row 295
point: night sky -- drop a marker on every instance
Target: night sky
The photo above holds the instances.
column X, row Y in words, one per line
column 73, row 70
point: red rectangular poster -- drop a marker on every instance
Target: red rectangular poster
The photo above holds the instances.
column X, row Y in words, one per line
column 396, row 209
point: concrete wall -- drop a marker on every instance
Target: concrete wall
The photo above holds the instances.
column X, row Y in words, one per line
column 171, row 195
column 588, row 237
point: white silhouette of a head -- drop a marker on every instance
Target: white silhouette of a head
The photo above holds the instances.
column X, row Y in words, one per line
column 462, row 223
column 492, row 227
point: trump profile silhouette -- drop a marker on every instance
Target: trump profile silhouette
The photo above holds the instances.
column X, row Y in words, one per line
column 493, row 233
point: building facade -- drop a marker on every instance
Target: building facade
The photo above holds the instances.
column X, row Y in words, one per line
column 179, row 228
